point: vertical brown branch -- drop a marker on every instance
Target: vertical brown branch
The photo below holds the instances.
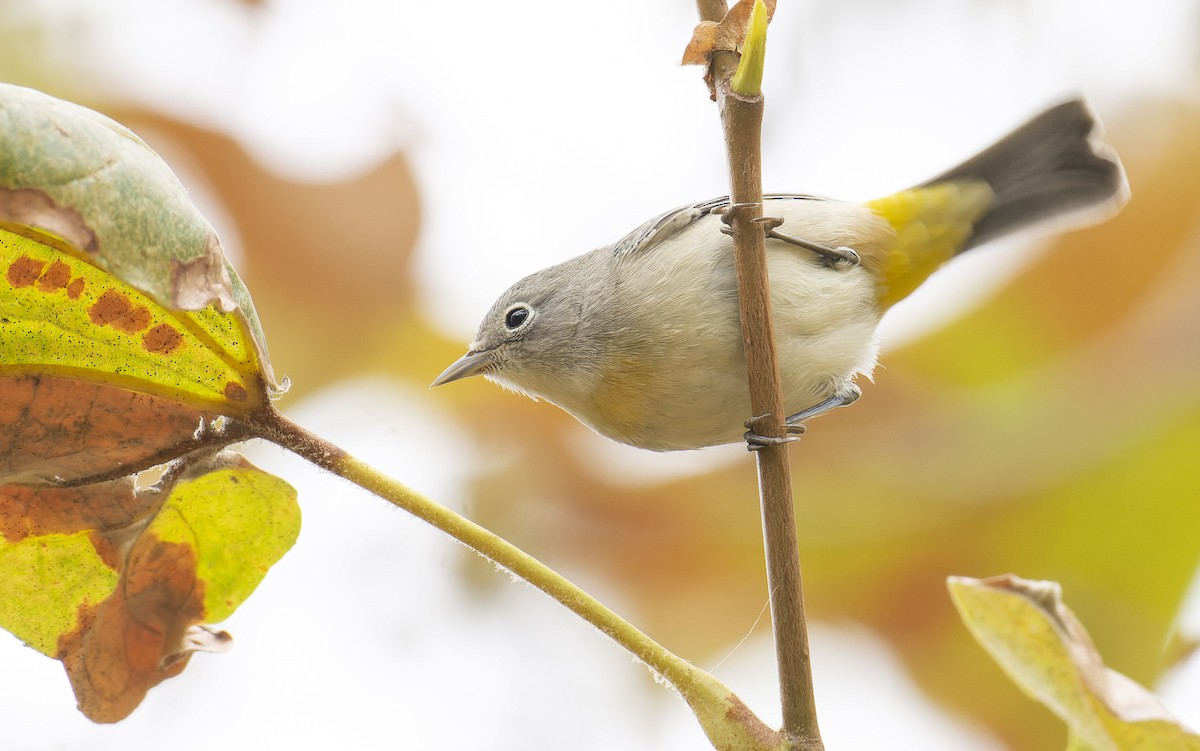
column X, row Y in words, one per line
column 741, row 117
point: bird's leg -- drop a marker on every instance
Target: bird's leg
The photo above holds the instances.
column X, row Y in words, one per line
column 839, row 257
column 841, row 399
column 756, row 440
column 727, row 213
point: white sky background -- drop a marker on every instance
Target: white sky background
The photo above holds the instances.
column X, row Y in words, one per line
column 363, row 637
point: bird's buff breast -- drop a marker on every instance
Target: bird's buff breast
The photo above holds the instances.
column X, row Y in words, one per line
column 677, row 378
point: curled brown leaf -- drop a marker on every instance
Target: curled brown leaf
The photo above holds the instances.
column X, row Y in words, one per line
column 709, row 37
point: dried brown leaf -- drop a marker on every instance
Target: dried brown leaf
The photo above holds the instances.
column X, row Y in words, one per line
column 33, row 511
column 54, row 428
column 709, row 37
column 698, row 50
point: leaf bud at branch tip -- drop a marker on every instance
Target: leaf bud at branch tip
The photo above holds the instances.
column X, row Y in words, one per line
column 747, row 80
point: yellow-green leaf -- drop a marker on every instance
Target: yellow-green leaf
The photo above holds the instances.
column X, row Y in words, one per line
column 62, row 315
column 78, row 175
column 239, row 521
column 99, row 379
column 126, row 342
column 124, row 333
column 45, row 582
column 1038, row 641
column 119, row 583
column 55, row 561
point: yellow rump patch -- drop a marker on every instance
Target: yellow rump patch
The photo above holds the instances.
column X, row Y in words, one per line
column 932, row 224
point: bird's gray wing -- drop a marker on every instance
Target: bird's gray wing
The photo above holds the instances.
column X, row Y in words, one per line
column 664, row 225
column 669, row 223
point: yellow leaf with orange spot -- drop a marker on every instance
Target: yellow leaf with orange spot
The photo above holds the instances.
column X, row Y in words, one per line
column 126, row 342
column 118, row 583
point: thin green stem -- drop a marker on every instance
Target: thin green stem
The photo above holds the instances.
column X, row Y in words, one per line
column 725, row 719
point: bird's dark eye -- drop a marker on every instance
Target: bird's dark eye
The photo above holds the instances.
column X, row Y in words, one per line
column 516, row 317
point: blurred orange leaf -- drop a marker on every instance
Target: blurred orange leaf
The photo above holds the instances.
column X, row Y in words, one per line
column 287, row 228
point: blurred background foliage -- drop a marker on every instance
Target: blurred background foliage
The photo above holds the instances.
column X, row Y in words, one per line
column 1052, row 430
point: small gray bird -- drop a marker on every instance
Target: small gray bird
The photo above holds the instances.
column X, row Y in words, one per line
column 641, row 340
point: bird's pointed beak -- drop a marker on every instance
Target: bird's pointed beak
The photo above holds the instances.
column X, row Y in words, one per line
column 472, row 363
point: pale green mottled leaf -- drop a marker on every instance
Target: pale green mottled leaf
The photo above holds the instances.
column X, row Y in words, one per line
column 1038, row 641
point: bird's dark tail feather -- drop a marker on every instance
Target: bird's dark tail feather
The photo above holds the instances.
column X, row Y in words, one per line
column 1054, row 165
